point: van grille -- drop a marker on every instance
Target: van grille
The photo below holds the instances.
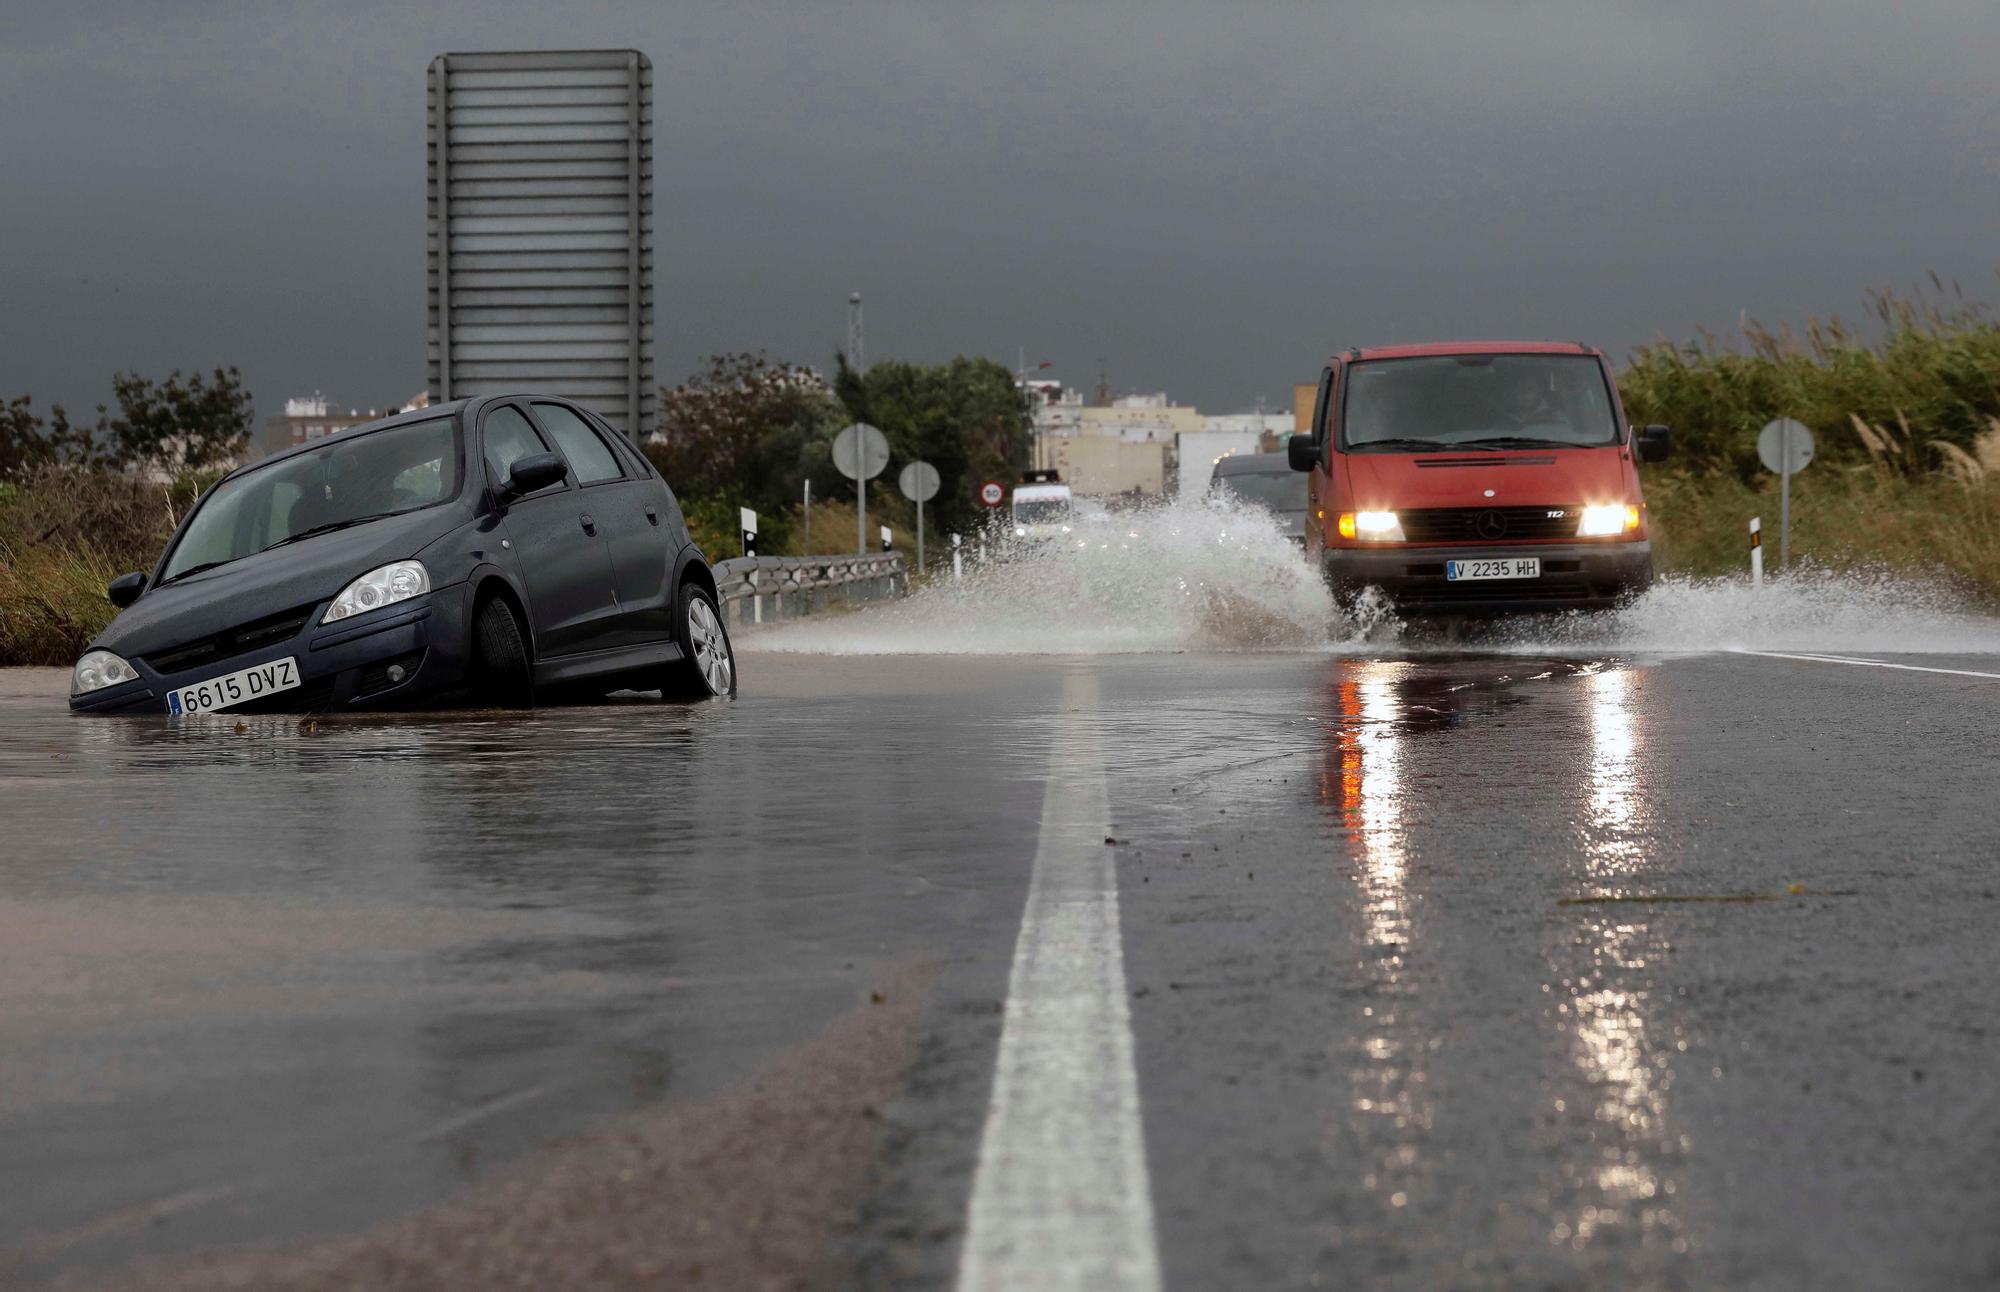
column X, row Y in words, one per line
column 1488, row 524
column 248, row 637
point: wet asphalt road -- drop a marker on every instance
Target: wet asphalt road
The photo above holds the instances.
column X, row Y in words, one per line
column 373, row 994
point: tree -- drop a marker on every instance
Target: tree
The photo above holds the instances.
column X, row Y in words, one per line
column 967, row 417
column 28, row 445
column 176, row 425
column 749, row 430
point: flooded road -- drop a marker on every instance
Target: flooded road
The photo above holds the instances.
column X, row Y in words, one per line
column 1562, row 968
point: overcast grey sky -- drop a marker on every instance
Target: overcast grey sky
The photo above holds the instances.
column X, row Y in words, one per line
column 1209, row 197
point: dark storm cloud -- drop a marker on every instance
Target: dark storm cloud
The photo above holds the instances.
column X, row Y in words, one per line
column 1208, row 197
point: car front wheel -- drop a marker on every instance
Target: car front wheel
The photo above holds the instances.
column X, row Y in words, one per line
column 707, row 666
column 499, row 677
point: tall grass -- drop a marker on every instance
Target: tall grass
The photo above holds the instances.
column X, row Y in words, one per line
column 64, row 533
column 1928, row 365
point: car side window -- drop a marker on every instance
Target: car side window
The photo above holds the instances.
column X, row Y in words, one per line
column 510, row 436
column 589, row 456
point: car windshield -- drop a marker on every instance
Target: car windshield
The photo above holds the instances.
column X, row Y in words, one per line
column 1041, row 511
column 1477, row 401
column 1279, row 490
column 350, row 479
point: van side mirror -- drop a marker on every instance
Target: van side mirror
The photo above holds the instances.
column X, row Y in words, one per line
column 1302, row 452
column 536, row 471
column 1655, row 444
column 125, row 589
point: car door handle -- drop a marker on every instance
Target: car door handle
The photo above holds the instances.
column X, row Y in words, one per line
column 589, row 524
column 653, row 514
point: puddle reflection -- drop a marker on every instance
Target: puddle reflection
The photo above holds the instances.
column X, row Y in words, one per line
column 1608, row 978
column 1391, row 729
column 1362, row 789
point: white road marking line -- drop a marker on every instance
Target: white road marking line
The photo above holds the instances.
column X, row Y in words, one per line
column 1061, row 1199
column 1865, row 663
column 452, row 1125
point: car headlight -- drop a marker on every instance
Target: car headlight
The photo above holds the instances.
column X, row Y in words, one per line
column 396, row 581
column 1608, row 520
column 99, row 669
column 1020, row 531
column 1371, row 526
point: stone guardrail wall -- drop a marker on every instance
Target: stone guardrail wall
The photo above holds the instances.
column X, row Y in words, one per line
column 785, row 587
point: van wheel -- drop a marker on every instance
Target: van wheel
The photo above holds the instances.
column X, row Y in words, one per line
column 499, row 676
column 706, row 669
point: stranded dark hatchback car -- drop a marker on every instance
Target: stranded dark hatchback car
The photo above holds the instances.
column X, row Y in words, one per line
column 473, row 550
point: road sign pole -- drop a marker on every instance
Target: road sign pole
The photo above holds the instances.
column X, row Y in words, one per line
column 1785, row 446
column 861, row 516
column 1785, row 497
column 809, row 517
column 920, row 538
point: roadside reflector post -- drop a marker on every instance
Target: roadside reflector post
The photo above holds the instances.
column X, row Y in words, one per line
column 957, row 561
column 1756, row 552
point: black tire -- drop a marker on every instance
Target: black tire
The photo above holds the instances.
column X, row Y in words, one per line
column 701, row 631
column 498, row 675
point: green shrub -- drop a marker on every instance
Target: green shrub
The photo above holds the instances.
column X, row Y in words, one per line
column 64, row 533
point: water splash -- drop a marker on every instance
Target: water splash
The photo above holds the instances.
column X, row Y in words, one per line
column 1189, row 575
column 1218, row 575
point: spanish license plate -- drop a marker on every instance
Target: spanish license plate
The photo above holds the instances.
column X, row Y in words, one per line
column 252, row 683
column 1506, row 567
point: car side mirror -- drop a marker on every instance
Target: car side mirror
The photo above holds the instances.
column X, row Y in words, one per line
column 1655, row 444
column 1302, row 452
column 125, row 589
column 536, row 471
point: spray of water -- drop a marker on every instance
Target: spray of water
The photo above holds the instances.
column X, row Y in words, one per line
column 1189, row 575
column 1220, row 575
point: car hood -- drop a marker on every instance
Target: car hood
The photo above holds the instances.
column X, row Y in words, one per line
column 271, row 583
column 1520, row 478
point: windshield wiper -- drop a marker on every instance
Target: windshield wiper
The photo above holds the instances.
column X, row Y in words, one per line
column 313, row 530
column 1401, row 446
column 1520, row 442
column 178, row 575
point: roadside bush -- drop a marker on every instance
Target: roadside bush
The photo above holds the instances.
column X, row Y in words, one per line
column 1931, row 371
column 64, row 533
column 1941, row 524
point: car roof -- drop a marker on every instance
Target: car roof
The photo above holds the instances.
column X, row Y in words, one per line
column 1040, row 492
column 1437, row 349
column 449, row 408
column 1250, row 464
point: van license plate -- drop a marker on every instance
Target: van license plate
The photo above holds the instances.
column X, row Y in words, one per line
column 1508, row 567
column 234, row 688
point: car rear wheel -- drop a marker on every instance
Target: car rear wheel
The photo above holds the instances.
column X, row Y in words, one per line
column 707, row 666
column 499, row 675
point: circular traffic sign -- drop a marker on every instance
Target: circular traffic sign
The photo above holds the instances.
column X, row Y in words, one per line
column 991, row 494
column 1785, row 453
column 918, row 481
column 860, row 452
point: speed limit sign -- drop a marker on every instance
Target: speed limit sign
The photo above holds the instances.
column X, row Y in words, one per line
column 991, row 494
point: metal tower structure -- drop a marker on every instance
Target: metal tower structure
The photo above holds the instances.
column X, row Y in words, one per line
column 854, row 359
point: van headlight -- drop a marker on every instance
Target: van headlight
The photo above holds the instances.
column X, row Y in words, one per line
column 99, row 669
column 396, row 581
column 1371, row 526
column 1607, row 521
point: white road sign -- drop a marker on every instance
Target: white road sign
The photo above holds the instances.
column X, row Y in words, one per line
column 860, row 452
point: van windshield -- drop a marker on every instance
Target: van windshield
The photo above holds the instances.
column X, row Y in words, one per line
column 1484, row 401
column 352, row 478
column 1041, row 511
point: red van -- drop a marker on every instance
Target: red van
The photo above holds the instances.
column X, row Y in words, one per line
column 1477, row 477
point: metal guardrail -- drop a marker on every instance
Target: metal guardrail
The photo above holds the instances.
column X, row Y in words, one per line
column 785, row 587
